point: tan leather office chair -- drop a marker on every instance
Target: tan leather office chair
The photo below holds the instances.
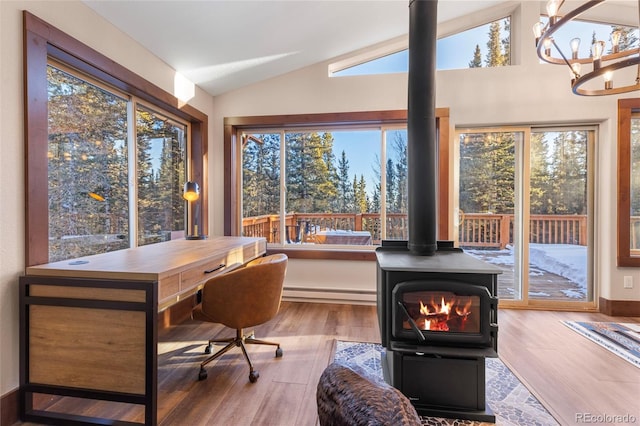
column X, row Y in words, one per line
column 243, row 298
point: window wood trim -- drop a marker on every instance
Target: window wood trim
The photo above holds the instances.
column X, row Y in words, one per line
column 233, row 126
column 626, row 108
column 42, row 41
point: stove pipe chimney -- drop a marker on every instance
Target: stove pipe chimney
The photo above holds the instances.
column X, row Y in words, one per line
column 421, row 128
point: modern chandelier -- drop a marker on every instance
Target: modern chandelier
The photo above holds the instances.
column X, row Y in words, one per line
column 601, row 64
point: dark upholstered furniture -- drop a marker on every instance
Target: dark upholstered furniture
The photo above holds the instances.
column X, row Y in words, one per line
column 346, row 396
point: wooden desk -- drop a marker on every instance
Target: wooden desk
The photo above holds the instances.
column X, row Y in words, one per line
column 88, row 326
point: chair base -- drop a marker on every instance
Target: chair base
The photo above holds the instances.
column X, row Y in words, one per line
column 240, row 340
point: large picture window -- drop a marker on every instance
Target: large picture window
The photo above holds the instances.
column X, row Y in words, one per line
column 107, row 152
column 89, row 168
column 339, row 184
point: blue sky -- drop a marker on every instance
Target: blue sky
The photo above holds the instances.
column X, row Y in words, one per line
column 456, row 51
column 362, row 148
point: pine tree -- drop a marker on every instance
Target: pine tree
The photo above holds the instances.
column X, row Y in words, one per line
column 476, row 62
column 391, row 195
column 506, row 42
column 360, row 191
column 487, row 184
column 495, row 57
column 311, row 175
column 540, row 181
column 569, row 173
column 401, row 174
column 345, row 191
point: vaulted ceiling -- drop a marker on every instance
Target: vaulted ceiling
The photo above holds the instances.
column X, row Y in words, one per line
column 223, row 45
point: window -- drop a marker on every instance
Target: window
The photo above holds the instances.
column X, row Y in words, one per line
column 331, row 180
column 487, row 45
column 89, row 169
column 525, row 204
column 629, row 182
column 87, row 118
column 161, row 146
column 309, row 184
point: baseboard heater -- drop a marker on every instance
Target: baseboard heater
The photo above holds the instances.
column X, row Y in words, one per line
column 330, row 295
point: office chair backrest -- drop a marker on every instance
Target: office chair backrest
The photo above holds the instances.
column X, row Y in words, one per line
column 248, row 296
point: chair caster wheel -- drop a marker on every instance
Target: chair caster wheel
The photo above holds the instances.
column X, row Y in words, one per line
column 202, row 375
column 208, row 349
column 253, row 376
column 279, row 352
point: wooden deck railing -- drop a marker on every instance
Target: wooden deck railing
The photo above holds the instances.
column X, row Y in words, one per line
column 475, row 229
column 491, row 230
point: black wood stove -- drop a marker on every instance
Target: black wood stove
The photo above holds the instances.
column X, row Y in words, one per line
column 437, row 306
column 438, row 323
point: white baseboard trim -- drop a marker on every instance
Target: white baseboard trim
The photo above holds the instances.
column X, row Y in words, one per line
column 329, row 295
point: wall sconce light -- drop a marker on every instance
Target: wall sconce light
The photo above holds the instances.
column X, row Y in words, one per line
column 192, row 194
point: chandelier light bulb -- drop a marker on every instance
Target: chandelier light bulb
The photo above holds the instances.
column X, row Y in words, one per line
column 596, row 51
column 537, row 30
column 608, row 80
column 576, row 67
column 547, row 46
column 575, row 45
column 615, row 41
column 552, row 10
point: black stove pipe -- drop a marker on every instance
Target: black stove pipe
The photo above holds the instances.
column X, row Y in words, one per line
column 421, row 128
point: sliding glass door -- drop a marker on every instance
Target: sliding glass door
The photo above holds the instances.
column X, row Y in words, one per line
column 559, row 215
column 524, row 200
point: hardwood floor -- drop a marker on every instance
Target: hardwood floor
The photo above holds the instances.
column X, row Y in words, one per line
column 569, row 374
column 285, row 391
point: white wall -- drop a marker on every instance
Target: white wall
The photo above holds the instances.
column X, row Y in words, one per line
column 526, row 93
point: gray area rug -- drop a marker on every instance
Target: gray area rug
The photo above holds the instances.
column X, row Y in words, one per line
column 508, row 398
column 619, row 338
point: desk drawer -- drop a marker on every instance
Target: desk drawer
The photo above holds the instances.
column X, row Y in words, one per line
column 201, row 272
column 169, row 287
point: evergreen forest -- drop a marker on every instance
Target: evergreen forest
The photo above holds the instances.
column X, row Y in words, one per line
column 88, row 167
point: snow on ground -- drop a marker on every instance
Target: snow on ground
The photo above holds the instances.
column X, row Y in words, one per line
column 566, row 260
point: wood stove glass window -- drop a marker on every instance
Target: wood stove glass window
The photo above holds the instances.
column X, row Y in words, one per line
column 445, row 311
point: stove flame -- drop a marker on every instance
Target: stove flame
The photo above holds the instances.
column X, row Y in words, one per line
column 440, row 316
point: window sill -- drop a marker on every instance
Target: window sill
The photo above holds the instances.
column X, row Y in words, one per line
column 328, row 253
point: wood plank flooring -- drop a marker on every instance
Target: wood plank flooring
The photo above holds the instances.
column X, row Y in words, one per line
column 568, row 373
